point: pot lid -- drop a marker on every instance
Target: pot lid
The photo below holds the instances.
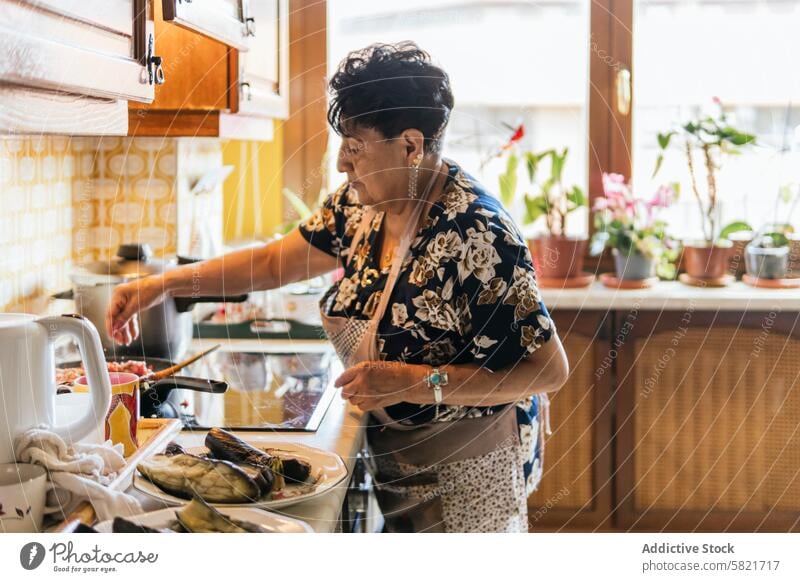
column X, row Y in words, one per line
column 131, row 262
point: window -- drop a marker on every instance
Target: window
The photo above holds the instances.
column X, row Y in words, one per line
column 528, row 62
column 688, row 52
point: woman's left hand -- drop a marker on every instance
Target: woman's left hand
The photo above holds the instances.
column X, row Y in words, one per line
column 376, row 384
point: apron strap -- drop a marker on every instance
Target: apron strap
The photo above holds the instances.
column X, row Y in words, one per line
column 400, row 252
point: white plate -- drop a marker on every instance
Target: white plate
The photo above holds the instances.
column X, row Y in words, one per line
column 271, row 522
column 327, row 471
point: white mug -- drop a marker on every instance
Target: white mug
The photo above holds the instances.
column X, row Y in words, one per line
column 23, row 488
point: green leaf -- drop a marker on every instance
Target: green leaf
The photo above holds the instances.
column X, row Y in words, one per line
column 558, row 161
column 532, row 164
column 786, row 193
column 508, row 180
column 664, row 138
column 297, row 203
column 741, row 139
column 536, row 207
column 729, row 229
column 778, row 239
column 576, row 197
column 659, row 161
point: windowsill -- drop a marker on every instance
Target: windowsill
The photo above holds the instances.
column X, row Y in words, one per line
column 674, row 296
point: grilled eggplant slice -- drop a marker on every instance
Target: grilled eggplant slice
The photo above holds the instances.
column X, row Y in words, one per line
column 227, row 446
column 185, row 475
column 197, row 516
column 122, row 525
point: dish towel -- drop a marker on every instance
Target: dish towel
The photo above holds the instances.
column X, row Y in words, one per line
column 78, row 472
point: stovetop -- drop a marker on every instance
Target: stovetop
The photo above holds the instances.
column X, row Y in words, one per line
column 266, row 391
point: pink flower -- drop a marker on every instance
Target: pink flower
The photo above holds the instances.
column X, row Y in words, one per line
column 600, row 204
column 717, row 101
column 663, row 197
column 613, row 184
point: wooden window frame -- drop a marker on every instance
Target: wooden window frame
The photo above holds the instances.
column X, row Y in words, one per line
column 610, row 131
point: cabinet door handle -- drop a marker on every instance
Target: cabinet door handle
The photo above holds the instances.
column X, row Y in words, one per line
column 247, row 94
column 155, row 72
column 249, row 26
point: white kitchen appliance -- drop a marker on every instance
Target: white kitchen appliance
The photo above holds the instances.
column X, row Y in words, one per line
column 28, row 377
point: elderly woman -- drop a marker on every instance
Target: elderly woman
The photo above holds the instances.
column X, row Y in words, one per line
column 437, row 316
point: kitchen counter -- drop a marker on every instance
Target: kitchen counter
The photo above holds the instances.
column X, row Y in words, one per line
column 341, row 431
column 674, row 296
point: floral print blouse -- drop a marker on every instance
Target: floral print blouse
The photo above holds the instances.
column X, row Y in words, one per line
column 466, row 292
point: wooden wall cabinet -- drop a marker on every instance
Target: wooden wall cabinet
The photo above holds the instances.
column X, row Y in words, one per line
column 226, row 21
column 263, row 71
column 213, row 89
column 69, row 66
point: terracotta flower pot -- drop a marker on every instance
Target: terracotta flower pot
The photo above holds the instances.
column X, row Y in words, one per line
column 736, row 260
column 704, row 261
column 558, row 257
column 794, row 254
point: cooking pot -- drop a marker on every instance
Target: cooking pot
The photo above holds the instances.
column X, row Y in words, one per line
column 165, row 329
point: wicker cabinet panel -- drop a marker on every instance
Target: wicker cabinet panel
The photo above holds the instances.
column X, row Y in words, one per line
column 568, row 451
column 716, row 428
column 577, row 453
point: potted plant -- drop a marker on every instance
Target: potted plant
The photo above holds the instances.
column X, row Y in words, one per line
column 710, row 137
column 740, row 233
column 767, row 257
column 788, row 198
column 629, row 225
column 556, row 254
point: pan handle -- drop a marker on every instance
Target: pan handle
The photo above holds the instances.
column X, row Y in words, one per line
column 158, row 391
column 183, row 304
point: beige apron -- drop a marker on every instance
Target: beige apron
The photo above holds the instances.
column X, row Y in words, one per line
column 461, row 475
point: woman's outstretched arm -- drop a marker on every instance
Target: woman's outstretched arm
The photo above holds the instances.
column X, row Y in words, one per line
column 371, row 385
column 277, row 263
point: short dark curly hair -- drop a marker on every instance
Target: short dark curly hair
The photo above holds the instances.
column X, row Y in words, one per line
column 391, row 88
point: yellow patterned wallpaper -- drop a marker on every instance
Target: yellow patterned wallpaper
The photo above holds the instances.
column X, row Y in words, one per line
column 35, row 219
column 65, row 200
column 138, row 190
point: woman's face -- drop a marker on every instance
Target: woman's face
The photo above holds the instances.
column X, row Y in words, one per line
column 376, row 166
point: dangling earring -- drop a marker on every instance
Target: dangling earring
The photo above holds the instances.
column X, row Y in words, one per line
column 414, row 177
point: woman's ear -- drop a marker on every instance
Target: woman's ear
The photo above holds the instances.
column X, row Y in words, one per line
column 414, row 144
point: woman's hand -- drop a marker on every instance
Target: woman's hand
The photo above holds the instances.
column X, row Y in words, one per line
column 122, row 321
column 376, row 384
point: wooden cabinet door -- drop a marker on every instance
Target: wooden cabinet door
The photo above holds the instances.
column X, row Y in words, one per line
column 97, row 48
column 575, row 490
column 264, row 70
column 707, row 409
column 226, row 21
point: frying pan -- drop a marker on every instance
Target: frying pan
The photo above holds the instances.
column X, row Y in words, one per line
column 153, row 394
